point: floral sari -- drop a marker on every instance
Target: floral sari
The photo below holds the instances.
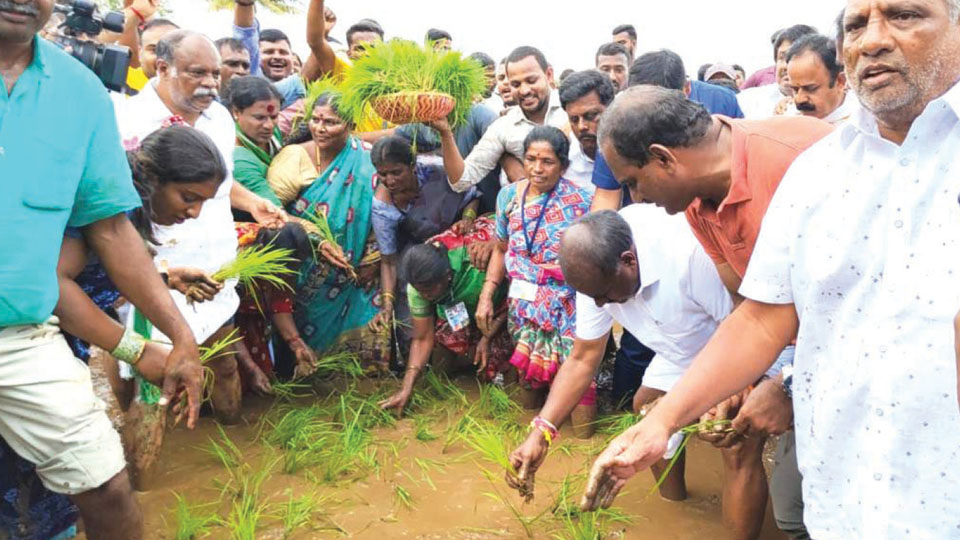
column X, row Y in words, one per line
column 332, row 311
column 542, row 329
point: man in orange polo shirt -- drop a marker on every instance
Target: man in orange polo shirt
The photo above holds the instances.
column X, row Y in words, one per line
column 723, row 173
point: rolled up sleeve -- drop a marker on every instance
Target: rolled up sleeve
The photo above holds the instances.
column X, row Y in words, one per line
column 484, row 158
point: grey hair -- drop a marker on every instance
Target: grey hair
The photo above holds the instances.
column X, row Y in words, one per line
column 597, row 239
column 645, row 115
column 954, row 7
column 167, row 47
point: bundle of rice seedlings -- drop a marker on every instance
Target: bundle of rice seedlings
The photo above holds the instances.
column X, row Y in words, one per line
column 258, row 264
column 410, row 83
column 344, row 363
column 325, row 234
column 191, row 521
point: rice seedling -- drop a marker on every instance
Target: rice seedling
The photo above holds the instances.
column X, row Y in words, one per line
column 344, row 363
column 401, row 67
column 225, row 451
column 587, row 526
column 297, row 513
column 275, row 6
column 248, row 507
column 191, row 522
column 427, row 465
column 495, row 404
column 614, row 425
column 258, row 264
column 423, row 433
column 490, row 442
column 688, row 432
column 289, row 391
column 350, row 450
column 524, row 521
column 325, row 234
column 402, row 496
column 220, row 348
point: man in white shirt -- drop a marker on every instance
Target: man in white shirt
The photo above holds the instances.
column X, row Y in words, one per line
column 530, row 77
column 774, row 99
column 185, row 92
column 584, row 96
column 645, row 270
column 817, row 80
column 856, row 259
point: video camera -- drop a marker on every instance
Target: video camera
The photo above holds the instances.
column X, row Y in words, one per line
column 109, row 62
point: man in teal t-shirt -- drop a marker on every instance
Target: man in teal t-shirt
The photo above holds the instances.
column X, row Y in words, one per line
column 66, row 167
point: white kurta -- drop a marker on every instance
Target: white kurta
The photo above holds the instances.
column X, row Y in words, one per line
column 207, row 242
column 580, row 171
column 863, row 237
column 679, row 305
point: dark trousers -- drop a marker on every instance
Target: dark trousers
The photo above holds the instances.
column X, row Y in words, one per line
column 628, row 369
column 785, row 489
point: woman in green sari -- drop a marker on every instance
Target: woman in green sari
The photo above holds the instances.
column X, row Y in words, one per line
column 331, row 175
column 255, row 105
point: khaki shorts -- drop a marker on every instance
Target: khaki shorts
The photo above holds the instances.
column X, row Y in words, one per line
column 49, row 414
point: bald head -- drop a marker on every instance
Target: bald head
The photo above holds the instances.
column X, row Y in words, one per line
column 644, row 115
column 597, row 257
column 187, row 42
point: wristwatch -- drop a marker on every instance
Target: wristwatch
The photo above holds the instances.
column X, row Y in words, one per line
column 787, row 383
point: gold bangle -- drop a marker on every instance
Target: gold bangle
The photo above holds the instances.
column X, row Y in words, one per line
column 388, row 296
column 131, row 347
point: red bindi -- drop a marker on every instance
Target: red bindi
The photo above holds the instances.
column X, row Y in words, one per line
column 271, row 108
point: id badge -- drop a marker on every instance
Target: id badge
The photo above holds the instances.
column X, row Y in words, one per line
column 457, row 316
column 523, row 290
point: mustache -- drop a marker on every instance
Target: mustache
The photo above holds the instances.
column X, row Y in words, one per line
column 22, row 9
column 202, row 92
column 806, row 107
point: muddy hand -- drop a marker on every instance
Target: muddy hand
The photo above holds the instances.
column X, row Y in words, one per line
column 634, row 450
column 719, row 435
column 334, row 254
column 397, row 402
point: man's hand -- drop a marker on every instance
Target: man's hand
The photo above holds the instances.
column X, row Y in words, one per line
column 721, row 436
column 183, row 372
column 146, row 8
column 633, row 451
column 442, row 126
column 480, row 252
column 527, row 459
column 766, row 411
column 268, row 214
column 397, row 401
column 193, row 283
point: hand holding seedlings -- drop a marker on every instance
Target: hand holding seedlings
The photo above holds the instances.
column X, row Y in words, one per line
column 195, row 284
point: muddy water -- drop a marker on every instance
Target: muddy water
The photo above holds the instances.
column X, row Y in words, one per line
column 458, row 506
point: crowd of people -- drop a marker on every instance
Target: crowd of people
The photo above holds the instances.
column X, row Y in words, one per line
column 775, row 248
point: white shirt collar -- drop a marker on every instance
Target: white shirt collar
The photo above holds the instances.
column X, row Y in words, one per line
column 863, row 122
column 517, row 116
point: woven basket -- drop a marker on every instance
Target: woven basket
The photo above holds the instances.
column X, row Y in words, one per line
column 413, row 107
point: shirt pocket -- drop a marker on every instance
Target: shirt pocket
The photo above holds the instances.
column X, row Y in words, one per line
column 51, row 185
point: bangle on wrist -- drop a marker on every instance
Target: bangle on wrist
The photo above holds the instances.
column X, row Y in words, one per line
column 546, row 427
column 388, row 297
column 130, row 349
column 470, row 214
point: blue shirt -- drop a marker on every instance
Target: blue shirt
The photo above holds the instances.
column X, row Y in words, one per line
column 58, row 168
column 291, row 88
column 716, row 99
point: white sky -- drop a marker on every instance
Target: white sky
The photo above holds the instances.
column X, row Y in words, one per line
column 569, row 32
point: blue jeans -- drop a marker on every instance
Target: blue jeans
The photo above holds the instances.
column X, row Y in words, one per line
column 631, row 363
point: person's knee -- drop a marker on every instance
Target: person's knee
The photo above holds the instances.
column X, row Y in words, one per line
column 224, row 367
column 113, row 495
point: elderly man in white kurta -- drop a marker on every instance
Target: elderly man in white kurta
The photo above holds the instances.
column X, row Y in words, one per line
column 184, row 92
column 857, row 258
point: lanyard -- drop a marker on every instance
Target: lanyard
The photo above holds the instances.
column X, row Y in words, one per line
column 523, row 218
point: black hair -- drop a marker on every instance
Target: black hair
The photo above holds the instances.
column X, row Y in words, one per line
column 364, row 25
column 663, row 116
column 556, row 138
column 724, row 82
column 158, row 23
column 301, row 131
column 526, row 51
column 291, row 236
column 824, row 47
column 582, row 83
column 611, row 49
column 791, row 35
column 739, row 68
column 392, row 149
column 424, row 265
column 609, row 236
column 628, row 28
column 297, row 56
column 233, row 44
column 167, row 47
column 242, row 92
column 662, row 68
column 435, row 34
column 273, row 35
column 177, row 154
column 484, row 59
column 702, row 71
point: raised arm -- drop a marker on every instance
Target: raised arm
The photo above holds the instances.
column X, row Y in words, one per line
column 465, row 173
column 245, row 29
column 322, row 57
